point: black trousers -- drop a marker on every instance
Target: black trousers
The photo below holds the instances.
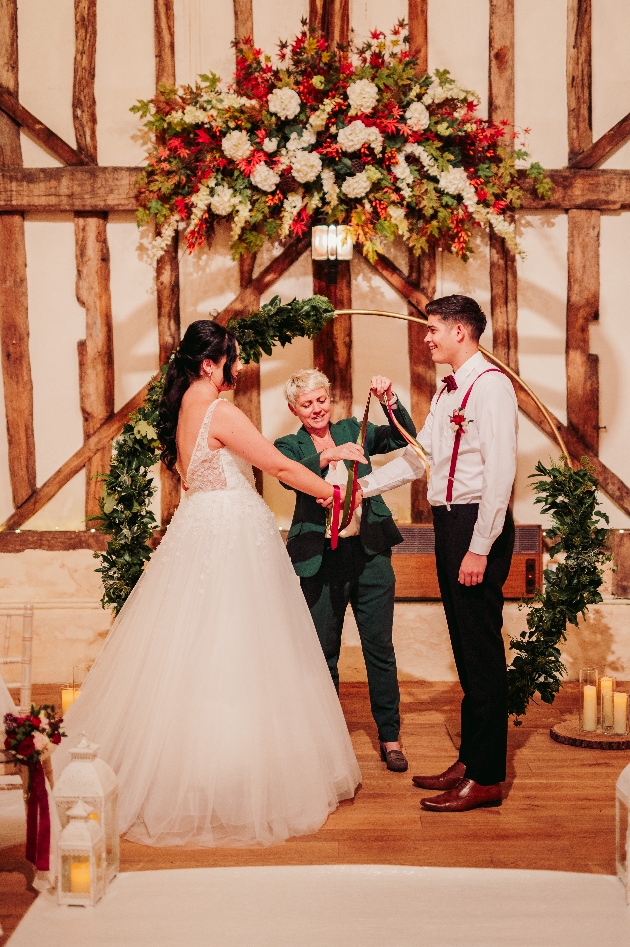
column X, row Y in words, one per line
column 474, row 615
column 349, row 575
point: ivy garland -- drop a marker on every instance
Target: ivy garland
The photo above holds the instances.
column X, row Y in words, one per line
column 569, row 495
column 571, row 498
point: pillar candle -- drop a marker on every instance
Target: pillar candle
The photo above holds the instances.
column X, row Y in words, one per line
column 80, row 877
column 620, row 713
column 68, row 696
column 606, row 684
column 589, row 713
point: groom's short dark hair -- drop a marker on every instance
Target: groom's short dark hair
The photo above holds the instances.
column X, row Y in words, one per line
column 459, row 309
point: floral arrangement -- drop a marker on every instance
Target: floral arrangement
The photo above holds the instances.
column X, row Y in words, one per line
column 577, row 533
column 354, row 137
column 29, row 739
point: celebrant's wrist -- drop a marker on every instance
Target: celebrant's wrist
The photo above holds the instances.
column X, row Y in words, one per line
column 393, row 399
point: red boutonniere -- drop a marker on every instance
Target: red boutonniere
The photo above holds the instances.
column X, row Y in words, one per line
column 459, row 421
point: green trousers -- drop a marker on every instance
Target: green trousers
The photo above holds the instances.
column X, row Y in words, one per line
column 348, row 575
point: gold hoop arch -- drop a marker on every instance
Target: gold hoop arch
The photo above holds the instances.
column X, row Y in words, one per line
column 491, row 358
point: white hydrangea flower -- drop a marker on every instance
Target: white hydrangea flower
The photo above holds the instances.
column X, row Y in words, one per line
column 290, row 207
column 352, row 136
column 398, row 216
column 375, row 139
column 417, row 116
column 194, row 115
column 264, row 178
column 236, row 145
column 222, row 201
column 161, row 242
column 304, row 140
column 330, row 187
column 270, row 145
column 305, row 166
column 317, row 120
column 284, row 102
column 240, row 219
column 426, row 160
column 362, row 96
column 356, row 185
column 200, row 201
column 401, row 169
column 438, row 91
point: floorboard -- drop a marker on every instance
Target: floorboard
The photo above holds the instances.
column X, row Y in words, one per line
column 559, row 811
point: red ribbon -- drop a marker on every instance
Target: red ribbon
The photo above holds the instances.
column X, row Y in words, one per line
column 334, row 523
column 38, row 819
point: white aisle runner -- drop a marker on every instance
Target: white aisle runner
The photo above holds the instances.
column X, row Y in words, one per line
column 339, row 906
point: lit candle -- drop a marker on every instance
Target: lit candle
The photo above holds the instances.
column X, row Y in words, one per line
column 589, row 713
column 68, row 696
column 80, row 877
column 606, row 684
column 620, row 713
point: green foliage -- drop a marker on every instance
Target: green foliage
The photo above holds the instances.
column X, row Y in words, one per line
column 571, row 498
column 125, row 513
column 280, row 322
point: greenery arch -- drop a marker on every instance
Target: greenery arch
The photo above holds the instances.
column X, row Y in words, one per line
column 568, row 495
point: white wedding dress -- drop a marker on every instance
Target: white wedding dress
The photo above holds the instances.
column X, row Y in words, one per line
column 211, row 698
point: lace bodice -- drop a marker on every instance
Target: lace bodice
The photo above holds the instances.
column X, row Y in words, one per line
column 216, row 469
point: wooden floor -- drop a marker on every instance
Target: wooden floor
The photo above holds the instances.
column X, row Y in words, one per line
column 558, row 814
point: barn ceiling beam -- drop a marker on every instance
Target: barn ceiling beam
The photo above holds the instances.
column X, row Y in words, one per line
column 58, row 190
column 605, row 146
column 43, row 135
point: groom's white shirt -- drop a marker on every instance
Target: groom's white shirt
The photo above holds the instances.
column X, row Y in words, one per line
column 486, row 464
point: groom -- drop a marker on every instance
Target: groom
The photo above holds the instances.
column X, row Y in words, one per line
column 359, row 571
column 470, row 434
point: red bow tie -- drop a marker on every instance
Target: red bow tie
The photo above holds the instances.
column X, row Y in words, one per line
column 451, row 384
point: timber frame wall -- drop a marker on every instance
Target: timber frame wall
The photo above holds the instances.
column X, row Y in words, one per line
column 91, row 192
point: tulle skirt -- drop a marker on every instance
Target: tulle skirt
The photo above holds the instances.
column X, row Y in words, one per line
column 211, row 698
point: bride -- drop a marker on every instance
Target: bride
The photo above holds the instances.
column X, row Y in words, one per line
column 211, row 698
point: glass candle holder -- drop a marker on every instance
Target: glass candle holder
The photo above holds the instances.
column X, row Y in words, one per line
column 606, row 703
column 621, row 706
column 588, row 700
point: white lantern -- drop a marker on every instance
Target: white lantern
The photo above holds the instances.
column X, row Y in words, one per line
column 331, row 243
column 81, row 854
column 89, row 778
column 623, row 828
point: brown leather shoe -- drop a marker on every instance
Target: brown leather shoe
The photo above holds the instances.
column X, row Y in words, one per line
column 466, row 795
column 446, row 780
column 395, row 759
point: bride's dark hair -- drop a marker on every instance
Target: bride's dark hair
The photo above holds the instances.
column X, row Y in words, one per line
column 203, row 339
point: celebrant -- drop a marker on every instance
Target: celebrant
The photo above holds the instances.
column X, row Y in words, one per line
column 357, row 569
column 470, row 437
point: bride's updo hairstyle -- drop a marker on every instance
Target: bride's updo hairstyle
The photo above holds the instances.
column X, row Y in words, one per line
column 202, row 340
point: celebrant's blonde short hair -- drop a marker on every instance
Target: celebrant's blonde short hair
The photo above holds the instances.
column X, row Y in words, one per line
column 308, row 379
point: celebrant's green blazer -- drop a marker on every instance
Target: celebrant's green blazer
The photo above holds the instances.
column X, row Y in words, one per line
column 305, row 542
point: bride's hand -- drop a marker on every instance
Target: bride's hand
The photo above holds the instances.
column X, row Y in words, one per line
column 358, row 500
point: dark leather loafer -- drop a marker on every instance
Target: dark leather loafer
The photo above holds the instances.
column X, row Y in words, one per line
column 466, row 795
column 446, row 780
column 395, row 759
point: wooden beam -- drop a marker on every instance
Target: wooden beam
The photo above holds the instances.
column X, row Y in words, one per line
column 248, row 298
column 579, row 93
column 503, row 283
column 58, row 540
column 100, row 439
column 582, row 310
column 418, row 11
column 59, row 190
column 43, row 135
column 612, row 485
column 332, row 348
column 96, row 351
column 605, row 146
column 247, row 392
column 243, row 19
column 167, row 270
column 14, row 331
column 83, row 95
column 316, row 14
column 332, row 17
column 422, row 275
column 164, row 42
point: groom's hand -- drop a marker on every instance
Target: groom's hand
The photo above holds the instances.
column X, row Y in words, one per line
column 472, row 569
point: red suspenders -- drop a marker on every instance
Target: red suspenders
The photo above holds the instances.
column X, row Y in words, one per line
column 458, row 435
